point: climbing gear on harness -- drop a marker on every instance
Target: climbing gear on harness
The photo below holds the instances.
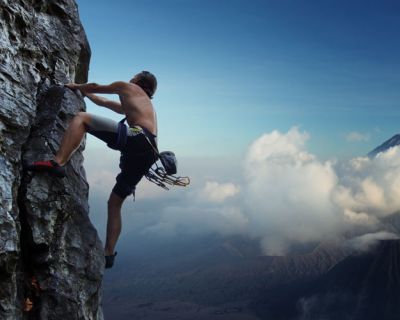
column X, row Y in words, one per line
column 165, row 174
column 160, row 177
column 168, row 161
column 47, row 166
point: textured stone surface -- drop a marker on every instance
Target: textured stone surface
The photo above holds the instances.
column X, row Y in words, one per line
column 45, row 231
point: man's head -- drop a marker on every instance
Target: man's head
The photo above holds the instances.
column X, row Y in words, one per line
column 147, row 81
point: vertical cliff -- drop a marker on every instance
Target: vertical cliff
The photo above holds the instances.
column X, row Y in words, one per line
column 51, row 259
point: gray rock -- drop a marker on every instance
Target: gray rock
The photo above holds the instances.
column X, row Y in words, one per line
column 49, row 250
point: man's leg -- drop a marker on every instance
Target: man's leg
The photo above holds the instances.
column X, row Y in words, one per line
column 71, row 140
column 113, row 223
column 72, row 137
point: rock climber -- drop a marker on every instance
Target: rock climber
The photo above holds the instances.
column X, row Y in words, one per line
column 136, row 143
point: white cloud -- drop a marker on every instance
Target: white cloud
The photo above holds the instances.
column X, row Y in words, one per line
column 371, row 185
column 288, row 191
column 355, row 136
column 365, row 241
column 218, row 192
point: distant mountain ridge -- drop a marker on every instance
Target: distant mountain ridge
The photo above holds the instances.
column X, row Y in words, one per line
column 392, row 142
column 362, row 286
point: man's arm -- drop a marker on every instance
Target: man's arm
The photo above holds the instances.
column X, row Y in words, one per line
column 103, row 102
column 118, row 87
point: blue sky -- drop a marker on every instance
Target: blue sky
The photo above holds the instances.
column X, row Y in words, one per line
column 230, row 71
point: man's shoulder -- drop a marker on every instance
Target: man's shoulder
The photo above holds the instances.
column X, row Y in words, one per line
column 121, row 84
column 128, row 87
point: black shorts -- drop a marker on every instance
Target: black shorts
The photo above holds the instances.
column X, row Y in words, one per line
column 137, row 156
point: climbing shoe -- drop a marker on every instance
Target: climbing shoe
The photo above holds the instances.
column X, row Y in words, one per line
column 48, row 166
column 110, row 260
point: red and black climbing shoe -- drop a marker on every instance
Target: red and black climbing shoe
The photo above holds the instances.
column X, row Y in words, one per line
column 47, row 166
column 110, row 260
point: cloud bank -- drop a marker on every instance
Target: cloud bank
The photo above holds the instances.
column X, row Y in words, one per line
column 283, row 195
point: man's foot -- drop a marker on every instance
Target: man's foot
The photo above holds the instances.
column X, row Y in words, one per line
column 48, row 166
column 110, row 260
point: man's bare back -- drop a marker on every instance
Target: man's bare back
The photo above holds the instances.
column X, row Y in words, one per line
column 138, row 108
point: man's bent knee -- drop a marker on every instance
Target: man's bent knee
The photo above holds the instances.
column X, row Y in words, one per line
column 84, row 116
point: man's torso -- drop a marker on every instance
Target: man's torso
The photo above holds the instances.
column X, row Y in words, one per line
column 138, row 108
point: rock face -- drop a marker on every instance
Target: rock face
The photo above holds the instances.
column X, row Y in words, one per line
column 50, row 253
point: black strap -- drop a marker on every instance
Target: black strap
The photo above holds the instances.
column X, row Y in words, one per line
column 122, row 134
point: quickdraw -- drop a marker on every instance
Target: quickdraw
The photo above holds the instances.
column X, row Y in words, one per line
column 159, row 176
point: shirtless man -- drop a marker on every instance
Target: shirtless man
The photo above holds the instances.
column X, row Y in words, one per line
column 137, row 155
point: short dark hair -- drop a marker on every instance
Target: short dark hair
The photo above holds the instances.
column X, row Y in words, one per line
column 148, row 82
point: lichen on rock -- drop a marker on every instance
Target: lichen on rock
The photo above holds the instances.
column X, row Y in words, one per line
column 49, row 251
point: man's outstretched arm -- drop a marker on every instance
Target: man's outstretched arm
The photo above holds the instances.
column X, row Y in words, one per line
column 117, row 87
column 103, row 102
